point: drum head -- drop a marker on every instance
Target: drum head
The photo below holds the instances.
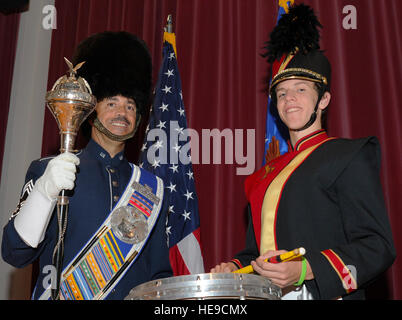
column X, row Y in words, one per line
column 208, row 286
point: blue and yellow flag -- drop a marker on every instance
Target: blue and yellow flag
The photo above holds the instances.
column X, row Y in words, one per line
column 275, row 129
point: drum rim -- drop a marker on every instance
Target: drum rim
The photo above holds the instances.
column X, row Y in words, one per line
column 207, row 286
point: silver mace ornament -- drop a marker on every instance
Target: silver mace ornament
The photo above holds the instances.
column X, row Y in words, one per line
column 70, row 101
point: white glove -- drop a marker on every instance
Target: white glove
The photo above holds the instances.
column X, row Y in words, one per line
column 59, row 175
column 34, row 216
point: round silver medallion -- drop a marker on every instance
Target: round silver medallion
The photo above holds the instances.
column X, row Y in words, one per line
column 129, row 225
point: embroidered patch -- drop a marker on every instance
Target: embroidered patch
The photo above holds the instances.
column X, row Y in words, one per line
column 268, row 170
column 26, row 190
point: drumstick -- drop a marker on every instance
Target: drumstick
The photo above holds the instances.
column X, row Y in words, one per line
column 296, row 253
column 287, row 256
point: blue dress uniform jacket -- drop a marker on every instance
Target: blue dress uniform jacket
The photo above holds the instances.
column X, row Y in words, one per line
column 100, row 181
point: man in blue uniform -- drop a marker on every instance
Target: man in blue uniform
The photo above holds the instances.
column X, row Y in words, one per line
column 103, row 259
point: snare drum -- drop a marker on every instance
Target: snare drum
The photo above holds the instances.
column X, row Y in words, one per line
column 208, row 286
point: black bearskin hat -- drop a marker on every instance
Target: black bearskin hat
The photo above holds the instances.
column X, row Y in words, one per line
column 116, row 63
column 294, row 49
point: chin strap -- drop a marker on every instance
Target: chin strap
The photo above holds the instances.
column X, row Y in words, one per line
column 101, row 128
column 310, row 122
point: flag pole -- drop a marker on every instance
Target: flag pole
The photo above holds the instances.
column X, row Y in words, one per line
column 168, row 35
column 169, row 24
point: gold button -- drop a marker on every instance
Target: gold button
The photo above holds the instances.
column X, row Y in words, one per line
column 112, row 170
column 115, row 198
column 115, row 183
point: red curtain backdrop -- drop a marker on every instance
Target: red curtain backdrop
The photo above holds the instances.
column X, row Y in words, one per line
column 8, row 42
column 219, row 43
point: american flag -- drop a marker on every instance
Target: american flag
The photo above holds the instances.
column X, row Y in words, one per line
column 166, row 153
column 274, row 126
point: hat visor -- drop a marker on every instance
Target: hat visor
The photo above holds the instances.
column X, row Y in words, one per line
column 296, row 73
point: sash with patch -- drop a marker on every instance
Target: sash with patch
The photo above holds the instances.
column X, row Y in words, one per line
column 103, row 261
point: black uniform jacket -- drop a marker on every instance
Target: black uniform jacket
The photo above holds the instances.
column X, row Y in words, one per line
column 332, row 205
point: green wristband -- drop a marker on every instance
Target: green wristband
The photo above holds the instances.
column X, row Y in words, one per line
column 303, row 273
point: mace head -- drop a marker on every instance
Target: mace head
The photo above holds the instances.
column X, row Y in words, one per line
column 70, row 101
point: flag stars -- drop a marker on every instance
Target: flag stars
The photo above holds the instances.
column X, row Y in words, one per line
column 171, row 56
column 172, row 188
column 161, row 124
column 186, row 215
column 158, row 144
column 176, row 148
column 167, row 89
column 190, row 175
column 164, row 107
column 179, row 130
column 169, row 73
column 174, row 168
column 156, row 164
column 181, row 111
column 189, row 195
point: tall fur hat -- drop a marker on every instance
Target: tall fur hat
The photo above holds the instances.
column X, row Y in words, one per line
column 116, row 63
column 294, row 49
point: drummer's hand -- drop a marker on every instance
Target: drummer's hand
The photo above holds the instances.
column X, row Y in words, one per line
column 224, row 267
column 282, row 274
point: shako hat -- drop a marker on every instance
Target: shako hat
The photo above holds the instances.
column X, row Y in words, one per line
column 116, row 63
column 294, row 50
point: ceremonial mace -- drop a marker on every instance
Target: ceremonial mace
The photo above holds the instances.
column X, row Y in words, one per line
column 70, row 101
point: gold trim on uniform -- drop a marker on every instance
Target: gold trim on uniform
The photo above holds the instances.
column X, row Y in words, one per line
column 272, row 197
